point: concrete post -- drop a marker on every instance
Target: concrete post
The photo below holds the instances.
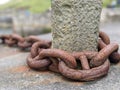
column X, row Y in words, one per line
column 75, row 24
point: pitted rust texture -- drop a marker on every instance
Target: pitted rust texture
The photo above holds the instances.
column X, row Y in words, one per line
column 93, row 64
column 48, row 57
column 67, row 64
column 103, row 42
column 19, row 41
column 81, row 66
column 104, row 37
column 84, row 75
column 103, row 54
column 33, row 59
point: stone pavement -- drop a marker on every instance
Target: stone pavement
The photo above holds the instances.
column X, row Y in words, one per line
column 16, row 75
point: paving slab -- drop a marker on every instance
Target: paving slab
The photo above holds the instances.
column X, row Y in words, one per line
column 16, row 75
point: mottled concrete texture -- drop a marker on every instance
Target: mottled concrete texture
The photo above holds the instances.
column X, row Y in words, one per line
column 16, row 75
column 75, row 24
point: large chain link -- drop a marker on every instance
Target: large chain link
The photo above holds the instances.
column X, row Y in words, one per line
column 23, row 43
column 82, row 66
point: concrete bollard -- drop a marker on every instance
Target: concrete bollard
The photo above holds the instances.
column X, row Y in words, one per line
column 75, row 24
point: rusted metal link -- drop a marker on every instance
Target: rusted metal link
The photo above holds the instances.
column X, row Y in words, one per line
column 54, row 65
column 54, row 55
column 34, row 61
column 37, row 63
column 34, row 39
column 21, row 42
column 103, row 54
column 14, row 39
column 84, row 62
column 24, row 45
column 29, row 41
column 101, row 44
column 105, row 38
column 93, row 64
column 4, row 37
column 37, row 47
column 68, row 66
column 84, row 75
column 88, row 73
column 62, row 55
column 85, row 58
column 114, row 57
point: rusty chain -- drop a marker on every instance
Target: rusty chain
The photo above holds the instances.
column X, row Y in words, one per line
column 81, row 66
column 23, row 43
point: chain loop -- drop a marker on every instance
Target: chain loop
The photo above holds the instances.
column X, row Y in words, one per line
column 84, row 75
column 61, row 55
column 103, row 54
column 34, row 61
column 114, row 57
column 93, row 65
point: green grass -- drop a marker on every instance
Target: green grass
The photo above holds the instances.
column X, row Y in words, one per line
column 106, row 2
column 35, row 6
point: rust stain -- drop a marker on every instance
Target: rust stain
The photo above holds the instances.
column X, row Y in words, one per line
column 10, row 53
column 34, row 73
column 62, row 80
column 20, row 69
column 27, row 71
column 47, row 76
column 55, row 80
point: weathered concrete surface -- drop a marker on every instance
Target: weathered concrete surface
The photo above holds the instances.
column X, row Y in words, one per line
column 45, row 36
column 75, row 24
column 16, row 75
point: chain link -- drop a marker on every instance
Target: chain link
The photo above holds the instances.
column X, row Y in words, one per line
column 82, row 66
